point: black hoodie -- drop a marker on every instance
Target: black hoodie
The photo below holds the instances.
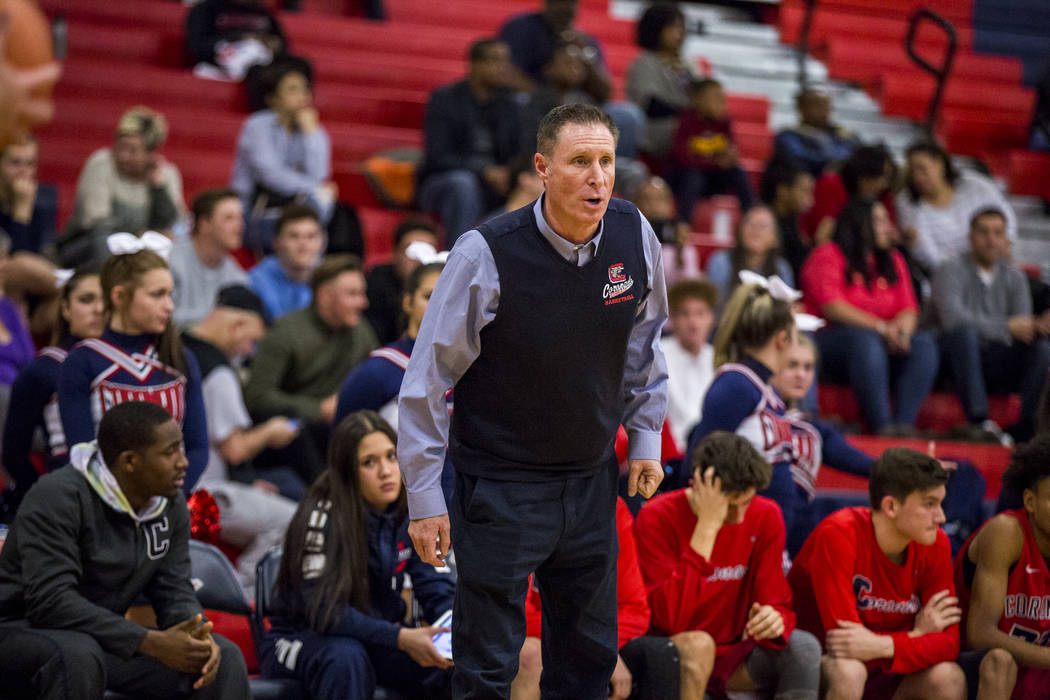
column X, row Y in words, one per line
column 73, row 562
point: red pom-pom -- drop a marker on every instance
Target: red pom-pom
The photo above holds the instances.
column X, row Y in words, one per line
column 204, row 516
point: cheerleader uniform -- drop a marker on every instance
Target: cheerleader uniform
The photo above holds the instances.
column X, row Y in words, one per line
column 740, row 400
column 103, row 372
column 34, row 392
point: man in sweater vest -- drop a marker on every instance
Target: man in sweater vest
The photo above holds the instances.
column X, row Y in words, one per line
column 546, row 321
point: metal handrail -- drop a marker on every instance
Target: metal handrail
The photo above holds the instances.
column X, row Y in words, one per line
column 941, row 73
column 803, row 43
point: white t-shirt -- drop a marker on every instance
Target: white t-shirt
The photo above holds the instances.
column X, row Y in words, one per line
column 225, row 412
column 688, row 377
column 197, row 285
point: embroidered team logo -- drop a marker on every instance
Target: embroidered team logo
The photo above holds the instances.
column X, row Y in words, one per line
column 619, row 283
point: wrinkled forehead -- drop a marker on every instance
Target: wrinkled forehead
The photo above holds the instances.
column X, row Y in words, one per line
column 577, row 136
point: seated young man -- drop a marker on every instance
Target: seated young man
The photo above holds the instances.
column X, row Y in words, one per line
column 647, row 664
column 875, row 585
column 1003, row 580
column 712, row 563
column 88, row 540
column 690, row 357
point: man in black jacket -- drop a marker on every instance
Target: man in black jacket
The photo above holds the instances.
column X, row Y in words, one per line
column 88, row 540
column 471, row 130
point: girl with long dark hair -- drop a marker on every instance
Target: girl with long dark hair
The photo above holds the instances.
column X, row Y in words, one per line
column 861, row 286
column 338, row 616
column 756, row 247
column 139, row 356
column 80, row 316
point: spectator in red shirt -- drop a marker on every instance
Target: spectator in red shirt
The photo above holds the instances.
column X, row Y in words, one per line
column 642, row 658
column 712, row 562
column 704, row 158
column 875, row 584
column 868, row 172
column 861, row 285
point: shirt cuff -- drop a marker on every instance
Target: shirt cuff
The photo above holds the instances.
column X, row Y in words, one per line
column 643, row 444
column 427, row 503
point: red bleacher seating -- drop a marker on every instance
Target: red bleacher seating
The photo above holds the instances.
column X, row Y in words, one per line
column 985, row 110
column 940, row 412
column 990, row 460
column 868, row 61
column 833, row 20
column 1029, row 173
column 908, row 95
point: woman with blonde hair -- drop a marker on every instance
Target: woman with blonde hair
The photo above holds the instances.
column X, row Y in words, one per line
column 754, row 343
column 128, row 186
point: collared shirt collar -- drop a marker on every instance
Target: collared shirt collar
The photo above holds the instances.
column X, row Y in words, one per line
column 580, row 253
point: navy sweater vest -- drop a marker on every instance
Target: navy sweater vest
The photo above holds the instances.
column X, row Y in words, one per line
column 545, row 396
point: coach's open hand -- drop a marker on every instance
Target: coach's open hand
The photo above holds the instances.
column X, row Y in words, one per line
column 645, row 477
column 432, row 538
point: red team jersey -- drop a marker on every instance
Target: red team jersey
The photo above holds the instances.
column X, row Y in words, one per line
column 1026, row 610
column 688, row 592
column 841, row 574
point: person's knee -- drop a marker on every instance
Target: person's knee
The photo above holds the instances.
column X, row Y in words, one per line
column 999, row 669
column 463, row 184
column 233, row 672
column 961, row 337
column 342, row 663
column 1041, row 352
column 84, row 661
column 449, row 188
column 868, row 350
column 924, row 349
column 945, row 680
column 803, row 649
column 844, row 677
column 696, row 651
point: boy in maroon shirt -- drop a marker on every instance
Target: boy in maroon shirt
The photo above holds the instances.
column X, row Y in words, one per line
column 711, row 557
column 875, row 584
column 703, row 156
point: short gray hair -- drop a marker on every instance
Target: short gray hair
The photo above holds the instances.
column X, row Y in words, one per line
column 550, row 126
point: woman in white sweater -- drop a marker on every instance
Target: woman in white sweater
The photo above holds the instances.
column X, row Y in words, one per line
column 935, row 209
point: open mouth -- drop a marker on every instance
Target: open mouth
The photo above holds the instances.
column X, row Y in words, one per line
column 594, row 201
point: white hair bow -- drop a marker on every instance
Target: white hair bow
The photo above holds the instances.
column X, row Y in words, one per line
column 782, row 291
column 778, row 288
column 61, row 277
column 425, row 253
column 128, row 243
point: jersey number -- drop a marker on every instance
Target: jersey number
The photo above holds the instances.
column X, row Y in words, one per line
column 1031, row 636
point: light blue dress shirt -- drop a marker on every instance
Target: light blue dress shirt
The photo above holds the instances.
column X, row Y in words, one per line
column 464, row 301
